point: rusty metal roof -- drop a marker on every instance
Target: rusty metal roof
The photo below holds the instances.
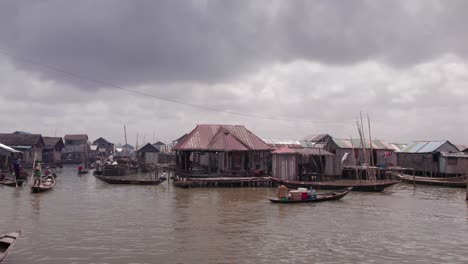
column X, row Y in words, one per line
column 313, row 152
column 221, row 138
column 284, row 150
column 76, row 137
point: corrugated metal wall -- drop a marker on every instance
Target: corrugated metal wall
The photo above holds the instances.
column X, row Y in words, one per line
column 284, row 167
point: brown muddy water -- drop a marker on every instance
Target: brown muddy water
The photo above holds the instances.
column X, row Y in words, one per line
column 84, row 220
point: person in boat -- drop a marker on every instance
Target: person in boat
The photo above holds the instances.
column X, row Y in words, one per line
column 48, row 172
column 37, row 175
column 283, row 192
column 312, row 193
column 17, row 168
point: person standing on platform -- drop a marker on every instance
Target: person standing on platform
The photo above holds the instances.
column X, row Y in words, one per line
column 17, row 168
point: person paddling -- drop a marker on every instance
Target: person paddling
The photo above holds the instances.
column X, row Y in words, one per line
column 37, row 175
column 17, row 170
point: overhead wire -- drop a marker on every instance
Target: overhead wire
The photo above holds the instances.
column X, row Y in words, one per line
column 110, row 85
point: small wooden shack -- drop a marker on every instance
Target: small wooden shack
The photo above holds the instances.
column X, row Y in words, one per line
column 76, row 148
column 353, row 152
column 6, row 157
column 453, row 164
column 31, row 145
column 105, row 148
column 284, row 164
column 148, row 154
column 426, row 157
column 52, row 152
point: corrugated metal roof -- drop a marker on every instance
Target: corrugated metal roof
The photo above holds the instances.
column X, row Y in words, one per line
column 424, row 146
column 221, row 138
column 356, row 143
column 76, row 137
column 7, row 148
column 313, row 152
column 461, row 147
column 275, row 144
column 316, row 138
column 455, row 155
column 310, row 144
column 398, row 146
column 22, row 140
column 284, row 150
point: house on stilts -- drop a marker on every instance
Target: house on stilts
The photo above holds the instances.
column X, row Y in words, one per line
column 221, row 151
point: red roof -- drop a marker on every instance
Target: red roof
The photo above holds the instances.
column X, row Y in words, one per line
column 221, row 138
column 284, row 150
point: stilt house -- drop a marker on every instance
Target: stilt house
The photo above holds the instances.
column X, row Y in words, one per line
column 31, row 145
column 52, row 152
column 433, row 158
column 221, row 150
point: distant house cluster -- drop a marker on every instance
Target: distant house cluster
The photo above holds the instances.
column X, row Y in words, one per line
column 233, row 150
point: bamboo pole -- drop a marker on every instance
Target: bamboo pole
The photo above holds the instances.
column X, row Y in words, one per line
column 32, row 171
column 355, row 161
column 466, row 197
column 370, row 140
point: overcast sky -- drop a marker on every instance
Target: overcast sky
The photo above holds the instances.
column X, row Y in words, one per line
column 307, row 66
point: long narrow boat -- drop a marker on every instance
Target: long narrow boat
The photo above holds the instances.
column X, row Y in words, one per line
column 83, row 171
column 182, row 184
column 12, row 183
column 358, row 185
column 6, row 243
column 120, row 180
column 333, row 196
column 455, row 182
column 46, row 185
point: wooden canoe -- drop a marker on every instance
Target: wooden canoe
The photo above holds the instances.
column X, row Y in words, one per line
column 358, row 185
column 182, row 184
column 12, row 183
column 83, row 171
column 6, row 243
column 455, row 182
column 120, row 180
column 333, row 196
column 46, row 185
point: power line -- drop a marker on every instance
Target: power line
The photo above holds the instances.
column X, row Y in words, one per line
column 106, row 84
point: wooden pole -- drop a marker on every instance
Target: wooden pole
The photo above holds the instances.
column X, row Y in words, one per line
column 414, row 179
column 32, row 171
column 370, row 141
column 355, row 161
column 125, row 133
column 466, row 197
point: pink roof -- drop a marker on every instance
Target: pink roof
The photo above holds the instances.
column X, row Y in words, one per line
column 221, row 138
column 284, row 150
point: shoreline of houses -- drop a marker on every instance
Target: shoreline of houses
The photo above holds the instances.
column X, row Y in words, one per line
column 214, row 150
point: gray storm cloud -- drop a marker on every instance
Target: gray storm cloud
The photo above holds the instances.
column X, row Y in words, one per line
column 139, row 42
column 315, row 64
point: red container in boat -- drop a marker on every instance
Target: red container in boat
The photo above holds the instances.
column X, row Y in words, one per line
column 304, row 196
